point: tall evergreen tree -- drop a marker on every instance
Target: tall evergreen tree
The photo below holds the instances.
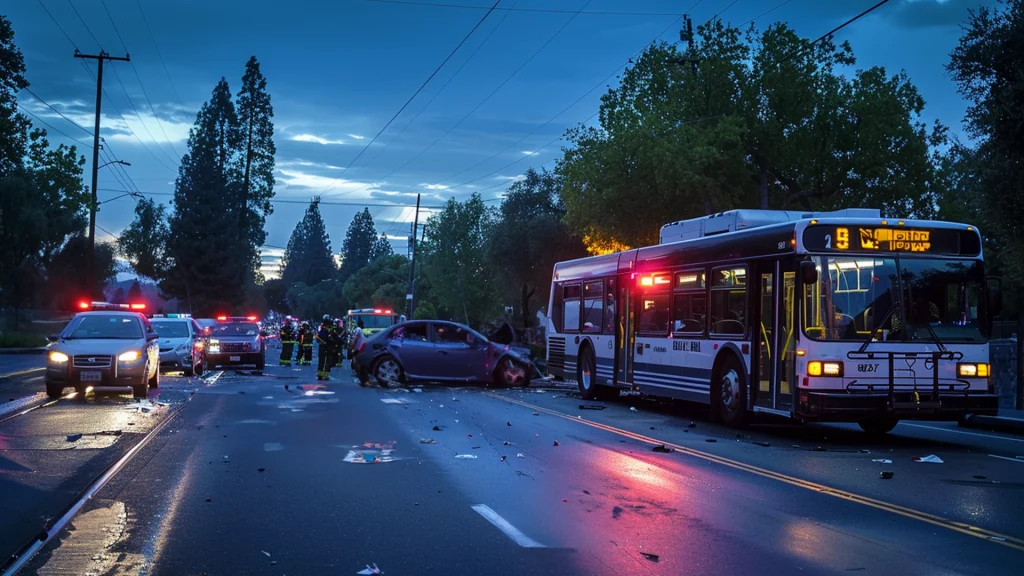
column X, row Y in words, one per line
column 357, row 249
column 381, row 248
column 202, row 244
column 135, row 292
column 308, row 258
column 255, row 159
column 14, row 125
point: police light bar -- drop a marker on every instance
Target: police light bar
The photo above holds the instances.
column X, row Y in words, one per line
column 250, row 318
column 222, row 318
column 109, row 306
column 237, row 318
column 138, row 306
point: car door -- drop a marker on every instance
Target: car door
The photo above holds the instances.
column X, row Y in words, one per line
column 198, row 342
column 456, row 354
column 411, row 344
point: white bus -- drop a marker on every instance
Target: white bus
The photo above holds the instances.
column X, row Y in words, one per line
column 839, row 316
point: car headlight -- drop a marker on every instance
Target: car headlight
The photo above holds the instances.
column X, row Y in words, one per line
column 129, row 356
column 58, row 357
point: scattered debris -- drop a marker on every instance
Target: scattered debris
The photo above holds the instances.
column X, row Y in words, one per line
column 209, row 500
column 265, row 553
column 765, row 444
column 476, row 447
column 508, row 423
column 710, row 440
column 662, row 449
column 469, row 435
column 885, row 475
column 437, row 428
column 286, row 387
column 691, row 425
column 536, row 414
column 520, row 455
column 261, row 469
column 651, row 557
column 440, row 405
column 556, row 443
column 997, row 538
column 980, row 477
column 369, row 570
column 929, row 459
column 592, row 407
column 466, row 456
column 226, row 459
column 564, row 500
column 503, row 458
column 587, row 492
column 417, row 390
column 507, row 443
column 632, row 409
column 882, row 460
column 428, row 440
column 74, row 437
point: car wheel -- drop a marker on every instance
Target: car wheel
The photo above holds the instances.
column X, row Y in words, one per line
column 878, row 425
column 732, row 395
column 510, row 374
column 54, row 390
column 386, row 370
column 154, row 382
column 200, row 368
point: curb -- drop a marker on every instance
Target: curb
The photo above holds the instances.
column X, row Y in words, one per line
column 40, row 350
column 997, row 423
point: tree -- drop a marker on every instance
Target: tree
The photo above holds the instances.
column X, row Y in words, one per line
column 275, row 294
column 456, row 262
column 382, row 283
column 254, row 138
column 67, row 281
column 119, row 296
column 381, row 248
column 135, row 292
column 143, row 243
column 206, row 260
column 528, row 237
column 314, row 301
column 14, row 126
column 308, row 258
column 357, row 249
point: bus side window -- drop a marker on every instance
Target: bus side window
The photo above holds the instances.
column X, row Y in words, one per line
column 729, row 301
column 593, row 309
column 691, row 305
column 609, row 308
column 571, row 308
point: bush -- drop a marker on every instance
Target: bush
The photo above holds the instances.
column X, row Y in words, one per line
column 21, row 340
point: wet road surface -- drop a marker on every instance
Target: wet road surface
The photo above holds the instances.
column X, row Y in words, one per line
column 276, row 474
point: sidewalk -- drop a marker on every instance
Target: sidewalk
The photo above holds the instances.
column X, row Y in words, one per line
column 1008, row 420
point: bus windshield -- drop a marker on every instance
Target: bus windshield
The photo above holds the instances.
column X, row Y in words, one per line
column 373, row 321
column 936, row 299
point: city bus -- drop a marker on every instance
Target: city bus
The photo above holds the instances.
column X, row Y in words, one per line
column 838, row 316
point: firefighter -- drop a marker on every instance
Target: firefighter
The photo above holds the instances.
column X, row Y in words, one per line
column 337, row 339
column 305, row 357
column 287, row 335
column 324, row 353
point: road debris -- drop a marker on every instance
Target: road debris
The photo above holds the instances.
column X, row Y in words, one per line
column 466, row 456
column 265, row 553
column 556, row 443
column 882, row 460
column 508, row 423
column 507, row 443
column 691, row 425
column 520, row 455
column 437, row 428
column 428, row 440
column 369, row 570
column 417, row 390
column 662, row 449
column 765, row 444
column 587, row 492
column 261, row 469
column 633, row 409
column 476, row 447
column 592, row 407
column 469, row 435
column 710, row 440
column 209, row 500
column 929, row 459
column 652, row 557
column 226, row 459
column 74, row 437
column 536, row 414
column 885, row 475
column 503, row 458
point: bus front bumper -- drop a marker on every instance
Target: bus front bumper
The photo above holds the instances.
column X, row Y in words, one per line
column 847, row 407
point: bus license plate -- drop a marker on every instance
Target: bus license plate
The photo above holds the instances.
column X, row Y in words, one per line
column 235, row 359
column 91, row 376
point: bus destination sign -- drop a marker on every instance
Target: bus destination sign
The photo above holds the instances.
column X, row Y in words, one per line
column 882, row 239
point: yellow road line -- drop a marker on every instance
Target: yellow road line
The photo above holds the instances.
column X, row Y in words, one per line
column 991, row 536
column 22, row 372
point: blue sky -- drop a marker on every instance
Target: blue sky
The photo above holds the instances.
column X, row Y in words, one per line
column 338, row 70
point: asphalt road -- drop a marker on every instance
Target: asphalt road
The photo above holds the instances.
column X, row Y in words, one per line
column 20, row 375
column 276, row 474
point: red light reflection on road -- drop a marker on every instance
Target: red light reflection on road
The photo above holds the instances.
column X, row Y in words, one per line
column 632, row 470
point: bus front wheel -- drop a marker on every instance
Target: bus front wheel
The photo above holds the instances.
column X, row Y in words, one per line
column 878, row 425
column 586, row 377
column 732, row 393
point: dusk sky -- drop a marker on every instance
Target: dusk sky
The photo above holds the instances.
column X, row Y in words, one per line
column 338, row 70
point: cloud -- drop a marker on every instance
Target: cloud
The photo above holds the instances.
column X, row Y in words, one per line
column 933, row 13
column 356, row 137
column 146, row 127
column 315, row 139
column 300, row 179
column 515, row 178
column 435, row 186
column 308, row 164
column 530, row 153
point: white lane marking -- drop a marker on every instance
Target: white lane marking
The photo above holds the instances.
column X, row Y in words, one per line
column 272, row 446
column 989, row 436
column 256, row 421
column 1017, row 459
column 391, row 401
column 22, row 372
column 509, row 530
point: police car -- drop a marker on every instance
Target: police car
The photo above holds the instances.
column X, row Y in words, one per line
column 237, row 341
column 104, row 346
column 182, row 343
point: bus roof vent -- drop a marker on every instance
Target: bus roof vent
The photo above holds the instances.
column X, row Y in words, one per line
column 735, row 220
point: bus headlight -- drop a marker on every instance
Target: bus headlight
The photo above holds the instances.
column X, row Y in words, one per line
column 58, row 357
column 819, row 368
column 972, row 370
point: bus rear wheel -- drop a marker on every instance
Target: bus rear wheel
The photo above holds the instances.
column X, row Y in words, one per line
column 731, row 387
column 878, row 425
column 586, row 376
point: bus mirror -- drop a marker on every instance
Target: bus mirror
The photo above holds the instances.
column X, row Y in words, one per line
column 808, row 273
column 995, row 297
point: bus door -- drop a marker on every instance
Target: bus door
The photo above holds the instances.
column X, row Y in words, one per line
column 764, row 339
column 787, row 335
column 624, row 335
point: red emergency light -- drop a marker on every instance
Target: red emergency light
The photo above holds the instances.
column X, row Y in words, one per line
column 250, row 318
column 387, row 311
column 222, row 318
column 378, row 311
column 138, row 306
column 83, row 305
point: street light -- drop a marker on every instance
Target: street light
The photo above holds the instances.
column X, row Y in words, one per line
column 121, row 162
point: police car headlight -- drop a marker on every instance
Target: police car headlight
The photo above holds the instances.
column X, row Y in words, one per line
column 58, row 357
column 129, row 356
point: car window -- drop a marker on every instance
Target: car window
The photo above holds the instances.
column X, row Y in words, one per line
column 195, row 328
column 168, row 329
column 411, row 332
column 452, row 334
column 107, row 326
column 236, row 329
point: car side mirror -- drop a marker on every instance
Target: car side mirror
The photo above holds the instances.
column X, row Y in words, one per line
column 52, row 338
column 995, row 297
column 808, row 273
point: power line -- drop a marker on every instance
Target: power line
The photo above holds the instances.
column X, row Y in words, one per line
column 834, row 30
column 139, row 116
column 87, row 29
column 45, row 9
column 52, row 127
column 288, row 201
column 420, row 89
column 139, row 78
column 161, row 58
column 766, row 12
column 536, row 10
column 493, row 92
column 59, row 113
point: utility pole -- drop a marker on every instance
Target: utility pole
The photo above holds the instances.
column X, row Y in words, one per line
column 90, row 255
column 412, row 262
column 686, row 35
